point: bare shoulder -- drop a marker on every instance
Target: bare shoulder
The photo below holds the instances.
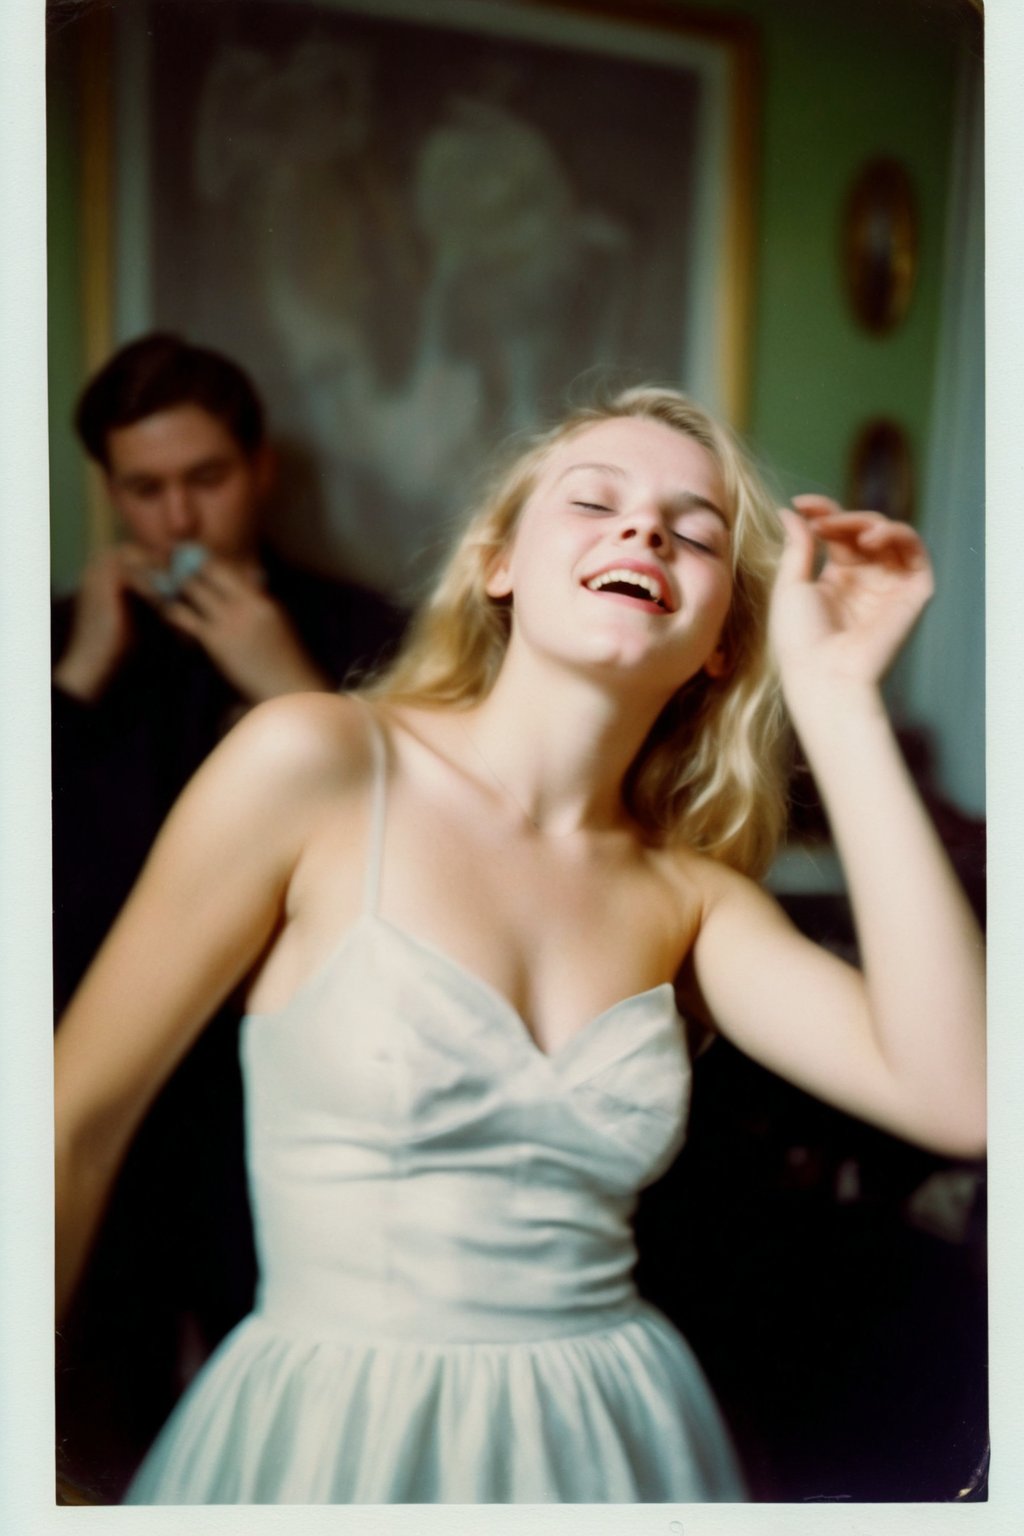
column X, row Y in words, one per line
column 724, row 907
column 286, row 765
column 724, row 910
column 705, row 882
column 306, row 741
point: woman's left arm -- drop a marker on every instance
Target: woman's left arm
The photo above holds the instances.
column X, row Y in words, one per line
column 902, row 1043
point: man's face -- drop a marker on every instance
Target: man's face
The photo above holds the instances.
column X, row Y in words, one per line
column 179, row 476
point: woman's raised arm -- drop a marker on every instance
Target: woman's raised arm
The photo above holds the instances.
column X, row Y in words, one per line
column 902, row 1044
column 208, row 901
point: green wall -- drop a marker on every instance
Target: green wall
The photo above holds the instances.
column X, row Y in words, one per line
column 65, row 349
column 841, row 84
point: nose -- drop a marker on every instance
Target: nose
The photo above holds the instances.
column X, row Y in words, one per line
column 646, row 528
column 180, row 520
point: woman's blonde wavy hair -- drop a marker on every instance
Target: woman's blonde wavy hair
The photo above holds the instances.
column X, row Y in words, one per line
column 712, row 771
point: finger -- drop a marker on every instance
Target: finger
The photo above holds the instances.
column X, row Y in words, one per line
column 180, row 616
column 213, row 578
column 814, row 504
column 205, row 597
column 828, row 522
column 831, row 521
column 871, row 530
column 889, row 529
column 898, row 544
column 133, row 556
column 828, row 516
column 129, row 565
column 138, row 579
column 846, row 533
column 145, row 593
column 796, row 562
column 847, row 522
column 838, row 535
column 233, row 578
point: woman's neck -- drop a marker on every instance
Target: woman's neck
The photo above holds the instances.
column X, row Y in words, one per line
column 560, row 743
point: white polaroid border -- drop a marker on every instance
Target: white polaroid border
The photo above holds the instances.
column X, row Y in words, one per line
column 26, row 1353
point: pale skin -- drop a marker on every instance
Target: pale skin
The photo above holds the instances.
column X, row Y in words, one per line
column 173, row 477
column 509, row 848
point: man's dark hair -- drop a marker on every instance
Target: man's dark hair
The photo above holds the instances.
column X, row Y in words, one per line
column 156, row 373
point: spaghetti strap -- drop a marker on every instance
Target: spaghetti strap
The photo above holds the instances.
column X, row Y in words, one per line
column 378, row 747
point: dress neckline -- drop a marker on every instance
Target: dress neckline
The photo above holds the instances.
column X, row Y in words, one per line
column 486, row 990
column 505, row 1005
column 371, row 916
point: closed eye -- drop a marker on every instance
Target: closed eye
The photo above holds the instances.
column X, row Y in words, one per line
column 212, row 472
column 686, row 538
column 591, row 506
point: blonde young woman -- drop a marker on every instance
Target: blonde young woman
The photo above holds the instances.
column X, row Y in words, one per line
column 470, row 905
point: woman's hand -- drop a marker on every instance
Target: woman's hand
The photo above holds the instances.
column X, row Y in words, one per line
column 901, row 1045
column 845, row 622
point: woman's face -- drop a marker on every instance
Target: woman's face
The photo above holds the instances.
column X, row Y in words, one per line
column 622, row 561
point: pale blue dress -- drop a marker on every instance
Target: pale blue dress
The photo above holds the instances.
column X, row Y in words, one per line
column 446, row 1310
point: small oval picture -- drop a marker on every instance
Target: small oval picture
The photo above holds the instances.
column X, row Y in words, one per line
column 881, row 474
column 880, row 245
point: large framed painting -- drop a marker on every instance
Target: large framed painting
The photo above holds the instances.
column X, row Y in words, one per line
column 425, row 225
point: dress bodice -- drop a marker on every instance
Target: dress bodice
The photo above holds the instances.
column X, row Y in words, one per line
column 420, row 1168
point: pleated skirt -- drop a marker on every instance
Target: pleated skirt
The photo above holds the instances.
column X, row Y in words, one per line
column 619, row 1415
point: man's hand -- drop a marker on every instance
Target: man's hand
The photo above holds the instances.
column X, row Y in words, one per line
column 246, row 634
column 101, row 627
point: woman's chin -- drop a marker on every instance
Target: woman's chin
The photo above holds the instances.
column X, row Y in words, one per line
column 635, row 669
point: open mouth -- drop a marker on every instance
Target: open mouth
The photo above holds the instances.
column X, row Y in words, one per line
column 637, row 585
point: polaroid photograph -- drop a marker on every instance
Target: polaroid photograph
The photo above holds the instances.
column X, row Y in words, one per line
column 507, row 595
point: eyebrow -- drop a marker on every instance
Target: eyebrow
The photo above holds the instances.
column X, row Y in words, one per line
column 128, row 478
column 682, row 501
